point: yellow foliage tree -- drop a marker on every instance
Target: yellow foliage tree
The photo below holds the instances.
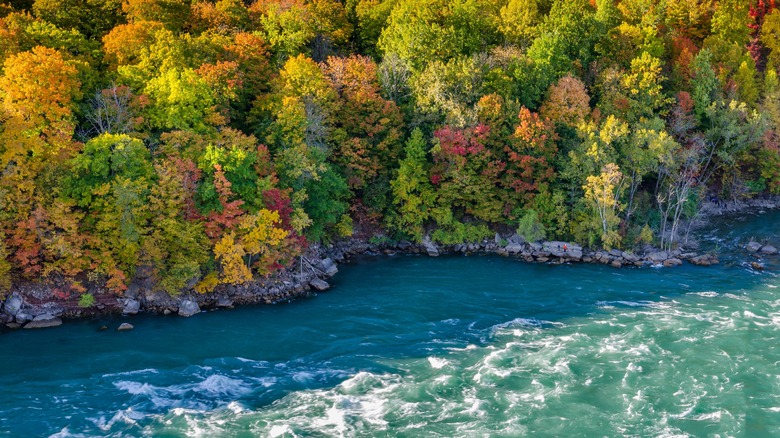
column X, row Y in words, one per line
column 603, row 193
column 257, row 241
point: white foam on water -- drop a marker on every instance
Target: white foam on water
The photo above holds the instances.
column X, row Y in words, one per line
column 437, row 363
column 280, row 430
column 136, row 388
column 221, row 386
column 712, row 416
column 66, row 433
column 334, row 417
column 707, row 294
column 127, row 416
column 133, row 372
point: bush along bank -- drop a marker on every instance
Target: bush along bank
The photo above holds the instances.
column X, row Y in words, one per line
column 38, row 305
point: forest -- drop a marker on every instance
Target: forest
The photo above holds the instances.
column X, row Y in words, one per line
column 210, row 142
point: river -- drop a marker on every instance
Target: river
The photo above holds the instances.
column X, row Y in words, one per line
column 414, row 346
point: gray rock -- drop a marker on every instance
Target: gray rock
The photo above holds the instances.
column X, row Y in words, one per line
column 514, row 248
column 768, row 249
column 328, row 267
column 131, row 307
column 616, row 264
column 563, row 249
column 430, row 248
column 125, row 326
column 514, row 238
column 658, row 256
column 753, row 247
column 631, row 257
column 43, row 321
column 22, row 317
column 12, row 305
column 188, row 308
column 319, row 284
column 13, row 325
column 226, row 302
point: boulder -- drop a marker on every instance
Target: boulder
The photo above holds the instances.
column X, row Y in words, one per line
column 574, row 253
column 514, row 248
column 125, row 327
column 131, row 307
column 757, row 266
column 225, row 302
column 43, row 321
column 12, row 305
column 514, row 238
column 22, row 317
column 704, row 260
column 319, row 284
column 188, row 308
column 631, row 257
column 13, row 325
column 616, row 264
column 753, row 246
column 328, row 267
column 658, row 256
column 430, row 248
column 672, row 262
column 768, row 250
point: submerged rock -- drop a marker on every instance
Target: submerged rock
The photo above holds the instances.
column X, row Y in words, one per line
column 768, row 250
column 43, row 321
column 125, row 326
column 705, row 260
column 753, row 247
column 319, row 284
column 188, row 308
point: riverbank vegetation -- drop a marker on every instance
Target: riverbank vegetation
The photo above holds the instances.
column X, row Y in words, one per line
column 209, row 142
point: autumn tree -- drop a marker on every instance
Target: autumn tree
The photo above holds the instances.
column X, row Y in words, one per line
column 567, row 102
column 603, row 192
column 530, row 155
column 91, row 17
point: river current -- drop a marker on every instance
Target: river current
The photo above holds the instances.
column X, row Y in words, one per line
column 413, row 346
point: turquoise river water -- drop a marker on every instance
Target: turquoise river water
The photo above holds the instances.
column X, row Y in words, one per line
column 421, row 347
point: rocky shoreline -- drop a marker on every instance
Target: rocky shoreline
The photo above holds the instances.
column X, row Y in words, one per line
column 34, row 305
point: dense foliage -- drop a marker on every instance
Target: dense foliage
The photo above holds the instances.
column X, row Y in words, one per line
column 203, row 142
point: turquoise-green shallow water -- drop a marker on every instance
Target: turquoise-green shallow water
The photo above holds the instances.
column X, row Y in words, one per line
column 422, row 347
